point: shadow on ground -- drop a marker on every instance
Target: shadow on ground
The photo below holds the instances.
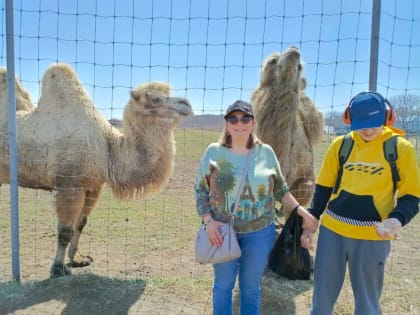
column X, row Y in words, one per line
column 80, row 294
column 280, row 296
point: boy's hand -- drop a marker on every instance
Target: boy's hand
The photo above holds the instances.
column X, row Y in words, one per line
column 388, row 228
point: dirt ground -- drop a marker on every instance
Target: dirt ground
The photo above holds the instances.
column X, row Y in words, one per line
column 143, row 264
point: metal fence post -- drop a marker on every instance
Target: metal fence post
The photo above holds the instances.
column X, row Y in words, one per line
column 12, row 141
column 374, row 44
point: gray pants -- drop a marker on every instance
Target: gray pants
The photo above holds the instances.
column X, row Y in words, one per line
column 366, row 264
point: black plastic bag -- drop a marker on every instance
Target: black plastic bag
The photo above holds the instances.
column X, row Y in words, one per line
column 288, row 258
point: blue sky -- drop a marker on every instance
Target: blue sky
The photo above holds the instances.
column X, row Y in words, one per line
column 211, row 51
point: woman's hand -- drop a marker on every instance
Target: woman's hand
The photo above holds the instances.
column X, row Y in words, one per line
column 388, row 228
column 213, row 233
column 309, row 221
column 307, row 239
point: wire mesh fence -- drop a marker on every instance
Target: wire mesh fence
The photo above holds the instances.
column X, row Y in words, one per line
column 210, row 53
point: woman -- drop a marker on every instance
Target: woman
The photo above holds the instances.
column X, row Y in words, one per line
column 220, row 172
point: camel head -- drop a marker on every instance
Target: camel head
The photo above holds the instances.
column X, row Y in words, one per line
column 153, row 101
column 283, row 70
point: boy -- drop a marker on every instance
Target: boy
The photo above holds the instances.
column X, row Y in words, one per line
column 361, row 212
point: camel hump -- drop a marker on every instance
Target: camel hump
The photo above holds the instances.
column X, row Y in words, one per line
column 62, row 89
column 60, row 71
column 23, row 99
column 312, row 119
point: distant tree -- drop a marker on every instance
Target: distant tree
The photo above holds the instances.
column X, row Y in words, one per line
column 407, row 107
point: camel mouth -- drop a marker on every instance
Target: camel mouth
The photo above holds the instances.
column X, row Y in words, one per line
column 292, row 65
column 183, row 107
column 292, row 51
column 291, row 57
column 292, row 60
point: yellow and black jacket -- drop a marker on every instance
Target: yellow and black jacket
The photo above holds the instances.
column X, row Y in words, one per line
column 365, row 195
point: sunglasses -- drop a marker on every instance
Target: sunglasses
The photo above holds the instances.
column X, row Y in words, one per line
column 245, row 119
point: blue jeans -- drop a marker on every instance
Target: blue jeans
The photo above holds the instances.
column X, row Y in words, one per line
column 256, row 247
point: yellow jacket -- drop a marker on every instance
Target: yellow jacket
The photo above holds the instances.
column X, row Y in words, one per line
column 365, row 195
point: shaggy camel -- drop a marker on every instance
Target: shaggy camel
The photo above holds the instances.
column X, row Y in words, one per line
column 65, row 145
column 288, row 120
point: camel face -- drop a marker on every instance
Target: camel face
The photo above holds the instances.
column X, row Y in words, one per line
column 153, row 100
column 284, row 68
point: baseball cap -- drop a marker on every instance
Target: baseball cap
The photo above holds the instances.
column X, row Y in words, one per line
column 367, row 110
column 241, row 106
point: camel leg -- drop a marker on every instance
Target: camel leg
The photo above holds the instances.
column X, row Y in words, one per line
column 303, row 188
column 76, row 259
column 69, row 203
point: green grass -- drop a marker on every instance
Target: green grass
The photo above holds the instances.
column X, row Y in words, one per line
column 191, row 143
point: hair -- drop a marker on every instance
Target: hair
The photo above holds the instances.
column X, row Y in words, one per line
column 226, row 139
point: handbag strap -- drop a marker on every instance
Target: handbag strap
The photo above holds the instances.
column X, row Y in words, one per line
column 248, row 158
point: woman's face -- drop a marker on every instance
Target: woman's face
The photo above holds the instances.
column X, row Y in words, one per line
column 240, row 124
column 369, row 134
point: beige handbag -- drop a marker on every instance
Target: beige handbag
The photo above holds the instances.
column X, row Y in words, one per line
column 205, row 253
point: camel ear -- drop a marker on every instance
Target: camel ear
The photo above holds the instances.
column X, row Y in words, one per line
column 135, row 95
column 267, row 73
column 272, row 61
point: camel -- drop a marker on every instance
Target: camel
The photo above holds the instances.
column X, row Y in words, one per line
column 288, row 120
column 65, row 145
